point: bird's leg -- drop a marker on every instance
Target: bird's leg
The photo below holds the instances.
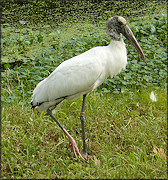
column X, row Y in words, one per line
column 82, row 118
column 72, row 141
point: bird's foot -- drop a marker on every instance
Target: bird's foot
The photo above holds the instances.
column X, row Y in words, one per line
column 86, row 157
column 74, row 145
column 76, row 150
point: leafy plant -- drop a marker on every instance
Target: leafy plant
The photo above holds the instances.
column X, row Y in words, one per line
column 137, row 75
column 126, row 131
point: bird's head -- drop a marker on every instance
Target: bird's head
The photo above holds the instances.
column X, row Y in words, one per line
column 116, row 26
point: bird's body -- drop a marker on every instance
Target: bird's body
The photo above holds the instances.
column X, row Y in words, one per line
column 83, row 73
column 80, row 75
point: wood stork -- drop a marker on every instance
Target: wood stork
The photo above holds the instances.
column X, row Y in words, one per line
column 81, row 74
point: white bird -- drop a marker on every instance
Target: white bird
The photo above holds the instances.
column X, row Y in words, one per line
column 81, row 74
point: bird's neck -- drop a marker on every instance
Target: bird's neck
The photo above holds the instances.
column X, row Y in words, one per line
column 115, row 43
column 117, row 57
column 114, row 35
column 118, row 49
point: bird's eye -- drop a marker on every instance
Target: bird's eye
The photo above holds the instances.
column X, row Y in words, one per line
column 120, row 23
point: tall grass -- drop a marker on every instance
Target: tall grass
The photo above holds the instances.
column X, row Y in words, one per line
column 125, row 130
column 123, row 133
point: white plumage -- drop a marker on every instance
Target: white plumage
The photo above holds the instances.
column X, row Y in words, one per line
column 80, row 74
column 85, row 72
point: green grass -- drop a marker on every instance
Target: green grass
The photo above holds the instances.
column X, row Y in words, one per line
column 125, row 130
column 121, row 131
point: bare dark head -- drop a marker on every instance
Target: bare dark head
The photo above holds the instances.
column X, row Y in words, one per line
column 116, row 26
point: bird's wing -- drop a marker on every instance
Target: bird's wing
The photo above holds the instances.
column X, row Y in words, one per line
column 74, row 76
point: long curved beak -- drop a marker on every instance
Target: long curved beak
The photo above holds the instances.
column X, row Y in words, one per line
column 126, row 31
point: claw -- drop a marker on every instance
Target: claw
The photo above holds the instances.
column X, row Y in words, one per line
column 86, row 157
column 74, row 146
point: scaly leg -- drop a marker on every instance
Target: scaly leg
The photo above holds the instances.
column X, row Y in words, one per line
column 82, row 118
column 72, row 141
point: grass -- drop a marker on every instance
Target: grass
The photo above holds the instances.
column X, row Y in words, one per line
column 125, row 130
column 124, row 135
